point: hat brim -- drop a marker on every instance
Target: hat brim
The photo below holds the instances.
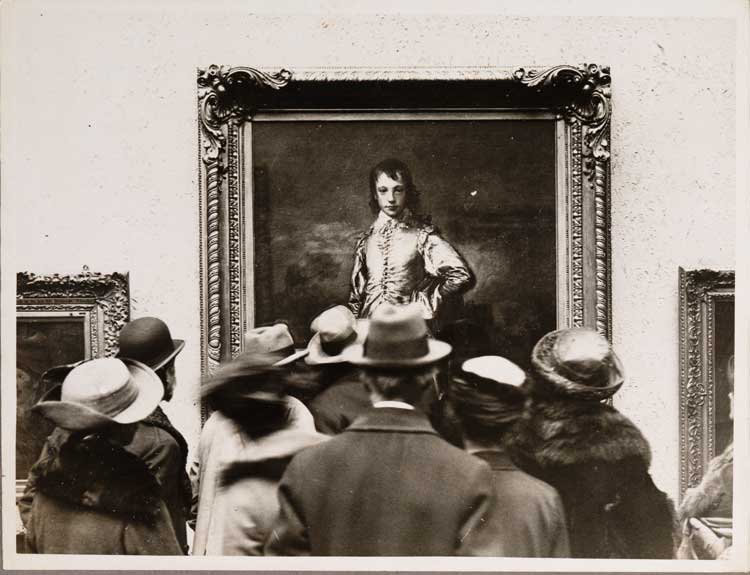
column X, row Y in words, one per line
column 164, row 359
column 299, row 353
column 318, row 356
column 543, row 363
column 75, row 416
column 437, row 350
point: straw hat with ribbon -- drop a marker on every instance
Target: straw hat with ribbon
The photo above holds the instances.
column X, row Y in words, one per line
column 102, row 392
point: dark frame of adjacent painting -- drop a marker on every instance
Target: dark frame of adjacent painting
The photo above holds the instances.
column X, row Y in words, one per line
column 706, row 341
column 95, row 305
column 232, row 101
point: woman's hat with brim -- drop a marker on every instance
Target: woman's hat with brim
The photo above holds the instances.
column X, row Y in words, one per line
column 147, row 340
column 102, row 392
column 397, row 337
column 335, row 329
column 578, row 363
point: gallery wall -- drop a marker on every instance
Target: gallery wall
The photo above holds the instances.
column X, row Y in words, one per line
column 100, row 152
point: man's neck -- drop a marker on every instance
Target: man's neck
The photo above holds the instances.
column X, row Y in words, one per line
column 473, row 446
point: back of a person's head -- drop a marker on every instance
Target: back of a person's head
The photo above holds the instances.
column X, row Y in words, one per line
column 253, row 393
column 490, row 400
column 406, row 385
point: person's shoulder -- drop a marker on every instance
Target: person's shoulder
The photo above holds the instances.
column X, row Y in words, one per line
column 152, row 438
column 538, row 488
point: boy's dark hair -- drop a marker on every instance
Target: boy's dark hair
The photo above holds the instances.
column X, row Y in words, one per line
column 395, row 169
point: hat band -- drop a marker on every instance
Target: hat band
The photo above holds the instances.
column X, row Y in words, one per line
column 336, row 347
column 396, row 350
column 113, row 403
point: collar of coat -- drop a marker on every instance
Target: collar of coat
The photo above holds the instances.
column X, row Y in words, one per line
column 94, row 472
column 392, row 419
column 267, row 457
column 564, row 432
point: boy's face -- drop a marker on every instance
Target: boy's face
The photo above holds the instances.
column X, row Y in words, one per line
column 390, row 194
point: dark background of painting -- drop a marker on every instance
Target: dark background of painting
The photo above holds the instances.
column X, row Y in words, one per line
column 488, row 185
column 40, row 344
column 723, row 350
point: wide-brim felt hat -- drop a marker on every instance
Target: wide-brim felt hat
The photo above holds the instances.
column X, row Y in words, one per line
column 271, row 342
column 397, row 337
column 326, row 353
column 97, row 393
column 578, row 363
column 148, row 340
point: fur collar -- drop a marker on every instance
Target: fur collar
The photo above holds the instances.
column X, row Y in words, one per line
column 93, row 472
column 562, row 432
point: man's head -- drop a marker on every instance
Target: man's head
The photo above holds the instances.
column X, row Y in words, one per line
column 398, row 357
column 392, row 188
column 407, row 385
column 148, row 340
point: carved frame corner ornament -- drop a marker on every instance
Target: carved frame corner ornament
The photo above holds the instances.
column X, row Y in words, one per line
column 230, row 97
column 699, row 292
column 105, row 298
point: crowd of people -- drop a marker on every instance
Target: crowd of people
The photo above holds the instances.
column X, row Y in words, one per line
column 377, row 439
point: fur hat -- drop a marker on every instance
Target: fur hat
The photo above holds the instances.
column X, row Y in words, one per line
column 578, row 363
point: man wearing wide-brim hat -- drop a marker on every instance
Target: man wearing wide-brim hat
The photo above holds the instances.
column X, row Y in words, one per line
column 343, row 394
column 388, row 484
column 594, row 456
column 92, row 495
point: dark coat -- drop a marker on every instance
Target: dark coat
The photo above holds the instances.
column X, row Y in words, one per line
column 388, row 485
column 598, row 461
column 153, row 445
column 94, row 497
column 335, row 408
column 527, row 518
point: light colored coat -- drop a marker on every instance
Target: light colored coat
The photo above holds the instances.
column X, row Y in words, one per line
column 236, row 479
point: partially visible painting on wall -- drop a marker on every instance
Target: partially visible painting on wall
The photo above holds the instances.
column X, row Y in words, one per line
column 59, row 320
column 706, row 369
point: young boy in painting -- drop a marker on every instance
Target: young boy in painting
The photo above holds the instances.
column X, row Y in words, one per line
column 402, row 258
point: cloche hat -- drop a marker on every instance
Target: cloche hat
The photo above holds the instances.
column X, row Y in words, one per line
column 577, row 362
column 147, row 339
column 101, row 392
column 397, row 337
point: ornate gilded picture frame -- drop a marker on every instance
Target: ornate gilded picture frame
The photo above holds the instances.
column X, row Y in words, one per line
column 515, row 163
column 59, row 320
column 706, row 346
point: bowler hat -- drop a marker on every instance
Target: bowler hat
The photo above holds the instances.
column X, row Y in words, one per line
column 101, row 392
column 335, row 329
column 272, row 340
column 147, row 339
column 578, row 363
column 397, row 337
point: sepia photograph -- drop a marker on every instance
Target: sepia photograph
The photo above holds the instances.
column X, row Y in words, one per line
column 329, row 287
